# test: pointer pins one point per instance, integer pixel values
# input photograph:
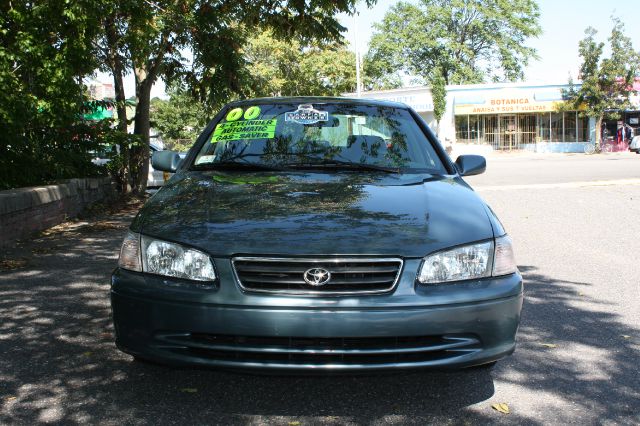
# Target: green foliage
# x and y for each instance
(178, 120)
(320, 69)
(48, 47)
(118, 146)
(45, 49)
(376, 74)
(150, 37)
(606, 82)
(439, 95)
(457, 41)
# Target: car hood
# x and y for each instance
(298, 213)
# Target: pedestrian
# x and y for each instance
(604, 133)
(620, 135)
(628, 133)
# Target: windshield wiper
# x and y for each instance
(236, 165)
(346, 165)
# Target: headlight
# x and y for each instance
(460, 263)
(164, 258)
(469, 262)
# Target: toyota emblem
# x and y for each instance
(317, 276)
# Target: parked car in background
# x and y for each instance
(317, 234)
(634, 146)
(156, 178)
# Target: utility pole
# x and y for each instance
(355, 37)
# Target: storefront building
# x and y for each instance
(501, 116)
(515, 117)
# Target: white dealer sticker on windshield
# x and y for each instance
(306, 114)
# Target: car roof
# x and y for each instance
(321, 100)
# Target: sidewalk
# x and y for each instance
(507, 155)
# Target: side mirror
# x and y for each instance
(166, 161)
(469, 165)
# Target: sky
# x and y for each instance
(563, 23)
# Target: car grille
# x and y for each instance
(321, 352)
(347, 275)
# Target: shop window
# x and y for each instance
(583, 129)
(570, 126)
(490, 129)
(543, 127)
(462, 128)
(556, 127)
(526, 129)
(474, 129)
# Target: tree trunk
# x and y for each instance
(121, 107)
(142, 126)
(125, 149)
(117, 70)
(145, 73)
(598, 135)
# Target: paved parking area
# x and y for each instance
(578, 359)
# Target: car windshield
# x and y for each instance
(320, 135)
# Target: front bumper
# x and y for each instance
(179, 323)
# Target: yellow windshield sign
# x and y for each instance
(238, 130)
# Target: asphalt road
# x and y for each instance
(577, 362)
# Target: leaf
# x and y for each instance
(10, 264)
(296, 423)
(87, 353)
(548, 345)
(10, 398)
(625, 336)
(189, 390)
(42, 250)
(501, 407)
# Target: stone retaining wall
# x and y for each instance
(26, 211)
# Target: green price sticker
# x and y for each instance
(234, 114)
(252, 112)
(238, 130)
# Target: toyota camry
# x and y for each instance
(317, 234)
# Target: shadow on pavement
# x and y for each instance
(59, 363)
(574, 354)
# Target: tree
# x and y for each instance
(153, 34)
(376, 74)
(322, 69)
(290, 68)
(179, 120)
(457, 41)
(111, 54)
(607, 83)
(45, 51)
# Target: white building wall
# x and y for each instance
(537, 96)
